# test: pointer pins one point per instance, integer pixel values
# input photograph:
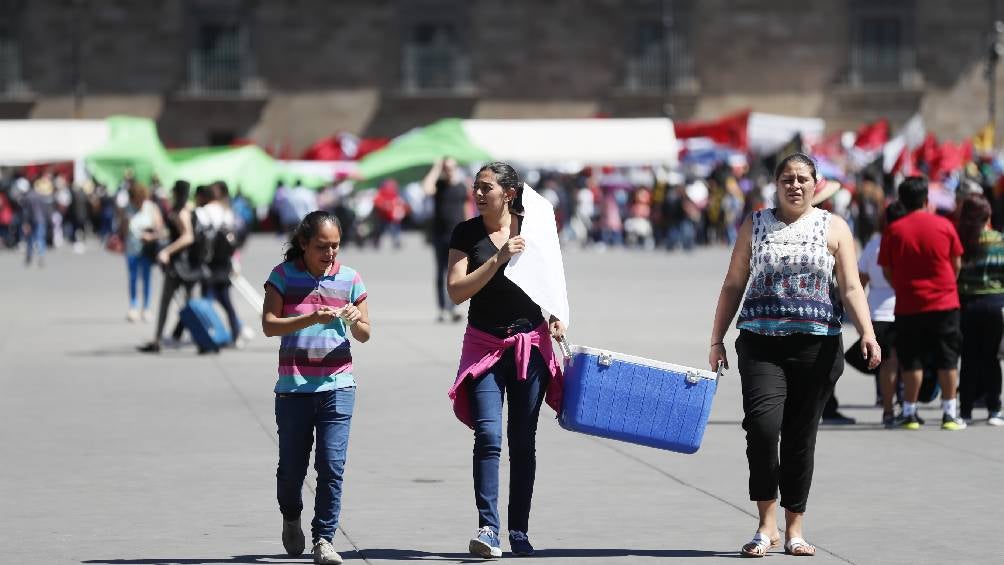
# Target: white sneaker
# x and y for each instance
(995, 419)
(325, 554)
(132, 315)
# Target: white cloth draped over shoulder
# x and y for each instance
(538, 269)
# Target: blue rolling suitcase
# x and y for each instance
(636, 400)
(207, 329)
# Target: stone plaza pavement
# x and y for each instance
(113, 457)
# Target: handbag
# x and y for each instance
(856, 359)
(1000, 346)
(114, 244)
(150, 249)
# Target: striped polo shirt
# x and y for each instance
(316, 358)
(983, 273)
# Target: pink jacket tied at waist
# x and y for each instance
(481, 350)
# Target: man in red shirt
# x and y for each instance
(920, 256)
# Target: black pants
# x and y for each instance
(441, 246)
(980, 376)
(786, 382)
(220, 292)
(172, 284)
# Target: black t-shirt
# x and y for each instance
(448, 207)
(500, 303)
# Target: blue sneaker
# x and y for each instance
(486, 544)
(519, 543)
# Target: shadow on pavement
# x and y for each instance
(823, 427)
(584, 553)
(235, 560)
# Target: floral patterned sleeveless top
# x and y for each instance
(792, 287)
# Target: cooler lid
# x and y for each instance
(614, 356)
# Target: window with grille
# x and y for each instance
(882, 50)
(658, 47)
(10, 65)
(434, 59)
(219, 62)
(648, 65)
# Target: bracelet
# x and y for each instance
(722, 343)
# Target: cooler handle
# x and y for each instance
(566, 349)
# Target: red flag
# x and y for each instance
(829, 147)
(871, 137)
(905, 163)
(730, 130)
(927, 154)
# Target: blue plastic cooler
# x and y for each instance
(636, 400)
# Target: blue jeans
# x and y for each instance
(139, 267)
(487, 393)
(36, 242)
(683, 233)
(297, 416)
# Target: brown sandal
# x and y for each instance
(759, 545)
(799, 548)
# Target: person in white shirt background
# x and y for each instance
(881, 303)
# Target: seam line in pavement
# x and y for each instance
(682, 482)
(920, 438)
(275, 441)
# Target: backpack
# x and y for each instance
(204, 236)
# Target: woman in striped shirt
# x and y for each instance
(981, 291)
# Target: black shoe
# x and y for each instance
(520, 544)
(838, 419)
(152, 347)
(911, 422)
(292, 537)
(889, 421)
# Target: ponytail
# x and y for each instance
(507, 178)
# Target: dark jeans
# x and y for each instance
(683, 233)
(980, 375)
(297, 416)
(786, 382)
(441, 247)
(487, 393)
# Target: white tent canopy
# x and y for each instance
(766, 133)
(27, 142)
(584, 141)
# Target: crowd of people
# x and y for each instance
(926, 291)
(195, 242)
(597, 208)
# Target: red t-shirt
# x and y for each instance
(919, 248)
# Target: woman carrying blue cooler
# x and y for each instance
(795, 257)
(506, 350)
(314, 303)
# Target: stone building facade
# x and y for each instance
(288, 72)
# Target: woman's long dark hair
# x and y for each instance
(973, 216)
(306, 230)
(508, 178)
